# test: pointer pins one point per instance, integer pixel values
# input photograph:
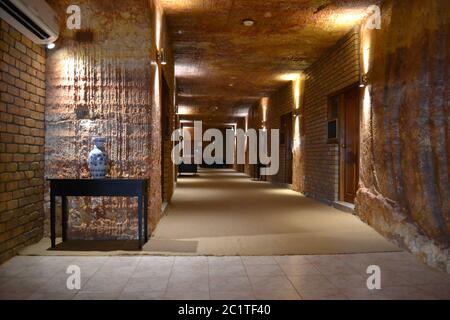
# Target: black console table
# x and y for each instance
(98, 188)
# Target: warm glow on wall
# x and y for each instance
(348, 17)
(297, 84)
(289, 76)
(187, 71)
(365, 52)
(367, 105)
(158, 23)
(296, 145)
(264, 103)
(184, 110)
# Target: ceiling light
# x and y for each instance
(51, 46)
(248, 22)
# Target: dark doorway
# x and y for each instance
(286, 148)
(165, 138)
(349, 144)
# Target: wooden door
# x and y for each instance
(286, 147)
(349, 144)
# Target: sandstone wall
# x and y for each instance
(22, 87)
(103, 80)
(404, 181)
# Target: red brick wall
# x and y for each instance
(335, 70)
(22, 86)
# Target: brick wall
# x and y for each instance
(335, 70)
(22, 86)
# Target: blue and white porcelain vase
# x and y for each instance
(98, 159)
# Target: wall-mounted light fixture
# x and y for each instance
(363, 80)
(295, 113)
(161, 56)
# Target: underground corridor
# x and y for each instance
(224, 150)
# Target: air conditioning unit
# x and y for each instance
(33, 18)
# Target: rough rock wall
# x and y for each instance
(22, 88)
(405, 143)
(101, 82)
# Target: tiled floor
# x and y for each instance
(233, 278)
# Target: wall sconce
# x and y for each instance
(161, 56)
(363, 80)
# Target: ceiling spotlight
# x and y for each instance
(51, 46)
(248, 22)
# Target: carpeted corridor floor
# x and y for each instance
(223, 212)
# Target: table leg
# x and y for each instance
(140, 221)
(64, 217)
(146, 217)
(52, 219)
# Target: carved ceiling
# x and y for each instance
(223, 67)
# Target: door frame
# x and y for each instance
(342, 138)
(340, 130)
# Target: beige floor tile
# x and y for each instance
(427, 277)
(148, 271)
(439, 291)
(146, 284)
(258, 260)
(264, 270)
(52, 296)
(15, 295)
(99, 283)
(232, 295)
(278, 295)
(229, 269)
(147, 295)
(18, 285)
(311, 282)
(58, 284)
(348, 281)
(96, 296)
(363, 294)
(268, 284)
(188, 282)
(299, 269)
(190, 262)
(219, 283)
(406, 293)
(187, 295)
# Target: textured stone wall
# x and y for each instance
(22, 87)
(335, 70)
(103, 80)
(404, 181)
